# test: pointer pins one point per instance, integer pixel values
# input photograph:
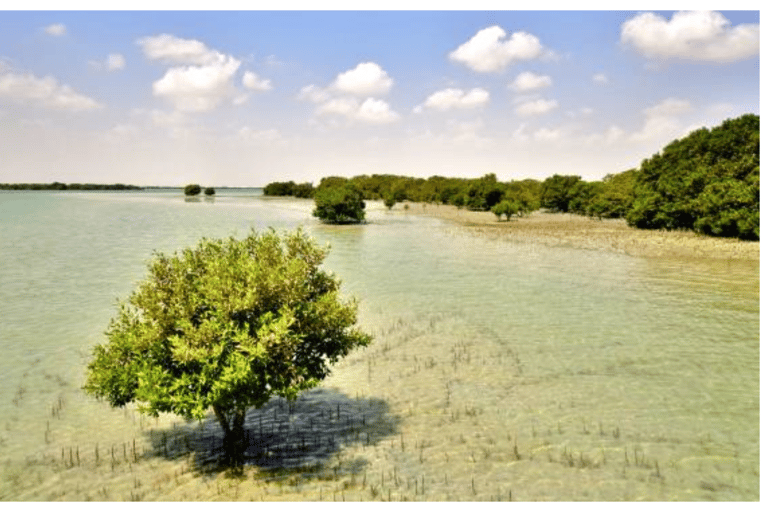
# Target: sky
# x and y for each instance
(244, 98)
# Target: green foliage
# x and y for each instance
(615, 197)
(339, 202)
(557, 192)
(209, 191)
(506, 208)
(64, 186)
(303, 190)
(582, 195)
(225, 326)
(192, 189)
(390, 201)
(708, 181)
(289, 188)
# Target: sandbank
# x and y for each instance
(563, 229)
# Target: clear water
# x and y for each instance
(500, 371)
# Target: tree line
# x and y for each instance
(67, 186)
(708, 182)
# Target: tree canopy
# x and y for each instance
(339, 202)
(708, 181)
(192, 189)
(225, 326)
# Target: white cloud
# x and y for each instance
(536, 107)
(528, 81)
(253, 82)
(662, 121)
(339, 106)
(314, 94)
(488, 51)
(56, 29)
(547, 134)
(371, 110)
(115, 62)
(376, 111)
(341, 98)
(44, 92)
(367, 79)
(691, 35)
(203, 84)
(667, 108)
(610, 136)
(198, 88)
(600, 78)
(456, 98)
(171, 49)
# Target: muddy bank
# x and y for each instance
(588, 233)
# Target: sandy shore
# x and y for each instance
(588, 233)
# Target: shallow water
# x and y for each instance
(499, 371)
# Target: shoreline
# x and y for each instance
(583, 232)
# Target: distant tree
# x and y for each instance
(279, 188)
(557, 192)
(209, 191)
(616, 197)
(582, 194)
(506, 208)
(339, 204)
(303, 190)
(224, 327)
(389, 201)
(192, 189)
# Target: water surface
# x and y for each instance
(499, 370)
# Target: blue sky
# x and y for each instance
(244, 98)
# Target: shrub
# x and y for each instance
(339, 204)
(192, 189)
(225, 326)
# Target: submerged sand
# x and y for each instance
(563, 229)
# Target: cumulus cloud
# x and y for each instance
(174, 50)
(203, 83)
(600, 78)
(528, 81)
(691, 35)
(371, 110)
(314, 94)
(662, 120)
(198, 88)
(447, 99)
(254, 83)
(376, 111)
(490, 50)
(44, 92)
(56, 29)
(536, 107)
(343, 96)
(367, 79)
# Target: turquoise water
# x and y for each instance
(500, 370)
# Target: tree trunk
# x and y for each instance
(234, 435)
